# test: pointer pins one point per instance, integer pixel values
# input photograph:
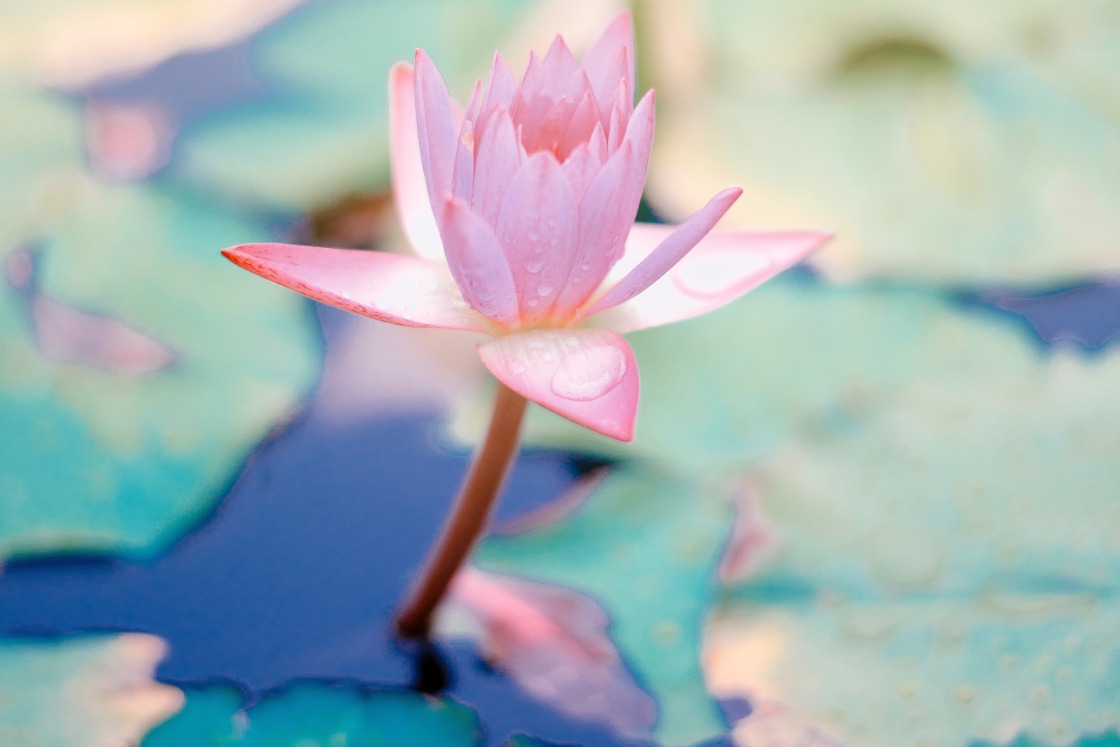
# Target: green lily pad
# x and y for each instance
(42, 154)
(645, 545)
(944, 572)
(323, 131)
(312, 715)
(722, 391)
(96, 459)
(82, 692)
(939, 143)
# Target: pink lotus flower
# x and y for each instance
(521, 211)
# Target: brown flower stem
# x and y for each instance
(468, 517)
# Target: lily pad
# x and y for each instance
(83, 691)
(722, 391)
(125, 459)
(317, 715)
(41, 159)
(322, 133)
(942, 573)
(944, 144)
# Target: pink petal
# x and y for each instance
(539, 228)
(550, 77)
(605, 216)
(545, 127)
(410, 191)
(394, 288)
(477, 263)
(611, 59)
(722, 267)
(498, 93)
(581, 168)
(437, 126)
(614, 129)
(462, 182)
(675, 246)
(499, 159)
(582, 121)
(586, 375)
(500, 85)
(639, 132)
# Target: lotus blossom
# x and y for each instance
(520, 208)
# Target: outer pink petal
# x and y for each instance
(639, 132)
(410, 191)
(675, 246)
(611, 59)
(500, 85)
(605, 216)
(539, 230)
(391, 287)
(478, 263)
(499, 159)
(437, 125)
(722, 267)
(586, 375)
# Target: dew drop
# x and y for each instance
(535, 266)
(589, 373)
(585, 266)
(533, 303)
(544, 291)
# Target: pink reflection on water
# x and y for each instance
(554, 643)
(67, 335)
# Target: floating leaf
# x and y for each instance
(722, 391)
(317, 715)
(322, 133)
(82, 692)
(959, 146)
(120, 457)
(41, 162)
(945, 571)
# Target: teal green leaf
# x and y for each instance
(82, 692)
(104, 460)
(945, 571)
(1103, 740)
(943, 144)
(722, 391)
(318, 715)
(322, 132)
(645, 545)
(41, 162)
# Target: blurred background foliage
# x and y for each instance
(875, 503)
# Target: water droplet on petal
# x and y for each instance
(535, 266)
(589, 373)
(533, 303)
(544, 291)
(585, 265)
